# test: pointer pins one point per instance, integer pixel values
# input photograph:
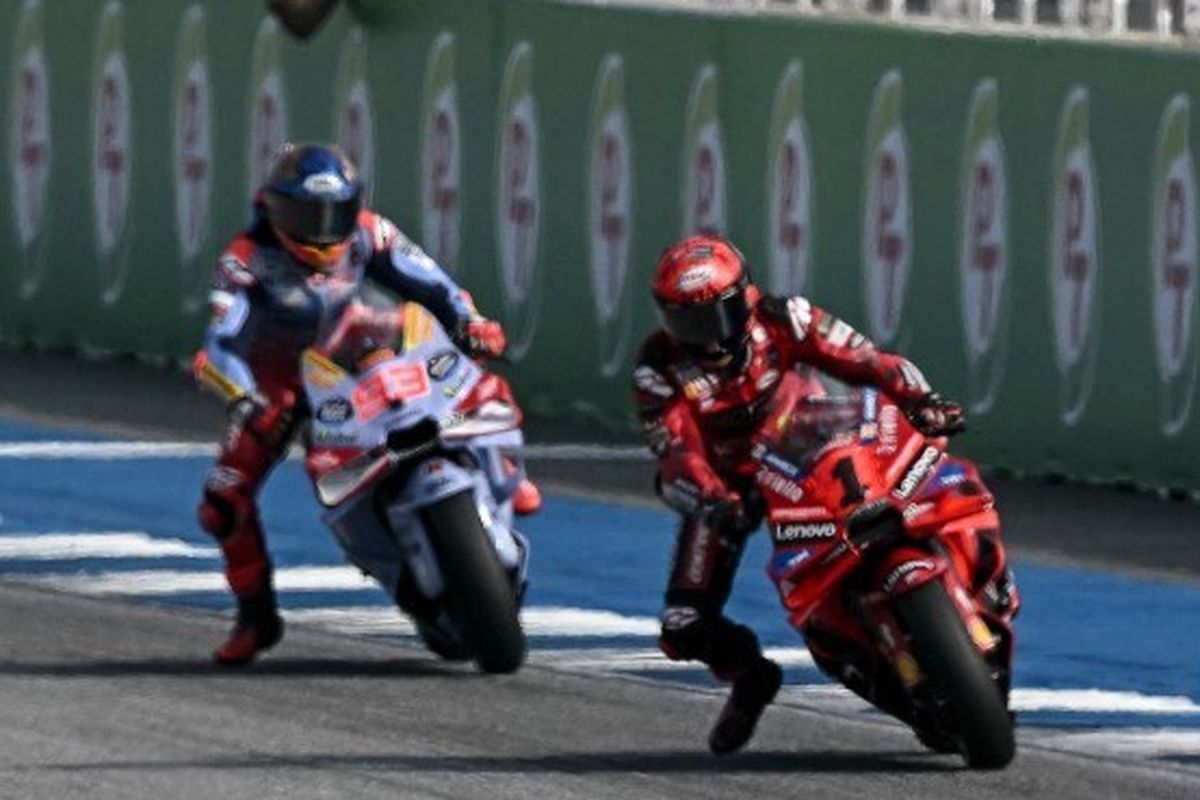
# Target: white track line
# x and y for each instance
(105, 451)
(537, 620)
(145, 583)
(1099, 701)
(102, 544)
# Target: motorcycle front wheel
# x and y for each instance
(959, 676)
(479, 593)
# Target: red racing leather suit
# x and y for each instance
(267, 308)
(698, 423)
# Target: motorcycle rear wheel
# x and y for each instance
(479, 593)
(959, 675)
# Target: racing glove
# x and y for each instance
(269, 422)
(933, 415)
(481, 337)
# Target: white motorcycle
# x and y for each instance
(414, 452)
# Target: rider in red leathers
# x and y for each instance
(279, 287)
(703, 382)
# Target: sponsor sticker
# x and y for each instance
(887, 217)
(441, 155)
(30, 153)
(704, 187)
(610, 212)
(519, 206)
(267, 113)
(907, 572)
(917, 473)
(193, 153)
(789, 187)
(797, 532)
(355, 123)
(983, 248)
(693, 279)
(788, 489)
(441, 365)
(335, 411)
(112, 149)
(1173, 264)
(1074, 257)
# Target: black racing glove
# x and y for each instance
(933, 415)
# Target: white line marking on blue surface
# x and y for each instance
(143, 583)
(102, 544)
(537, 621)
(1101, 701)
(103, 451)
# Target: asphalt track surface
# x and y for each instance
(106, 698)
(100, 699)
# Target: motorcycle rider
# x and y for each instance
(702, 384)
(279, 286)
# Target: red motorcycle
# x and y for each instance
(887, 557)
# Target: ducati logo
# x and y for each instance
(268, 114)
(887, 221)
(356, 122)
(983, 251)
(704, 191)
(441, 156)
(193, 140)
(519, 192)
(611, 207)
(1173, 263)
(789, 187)
(1074, 255)
(112, 149)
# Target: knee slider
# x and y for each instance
(685, 633)
(217, 515)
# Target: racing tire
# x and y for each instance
(479, 593)
(959, 676)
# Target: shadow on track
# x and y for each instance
(661, 762)
(271, 667)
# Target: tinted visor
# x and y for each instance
(313, 221)
(702, 324)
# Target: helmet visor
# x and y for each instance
(701, 324)
(316, 222)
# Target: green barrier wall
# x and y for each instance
(1018, 215)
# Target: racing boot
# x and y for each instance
(753, 691)
(259, 627)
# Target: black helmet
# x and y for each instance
(313, 197)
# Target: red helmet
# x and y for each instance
(700, 287)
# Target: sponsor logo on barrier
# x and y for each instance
(30, 153)
(1075, 256)
(519, 192)
(887, 218)
(441, 156)
(355, 120)
(1173, 263)
(112, 148)
(789, 187)
(983, 251)
(610, 189)
(193, 151)
(704, 189)
(268, 113)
